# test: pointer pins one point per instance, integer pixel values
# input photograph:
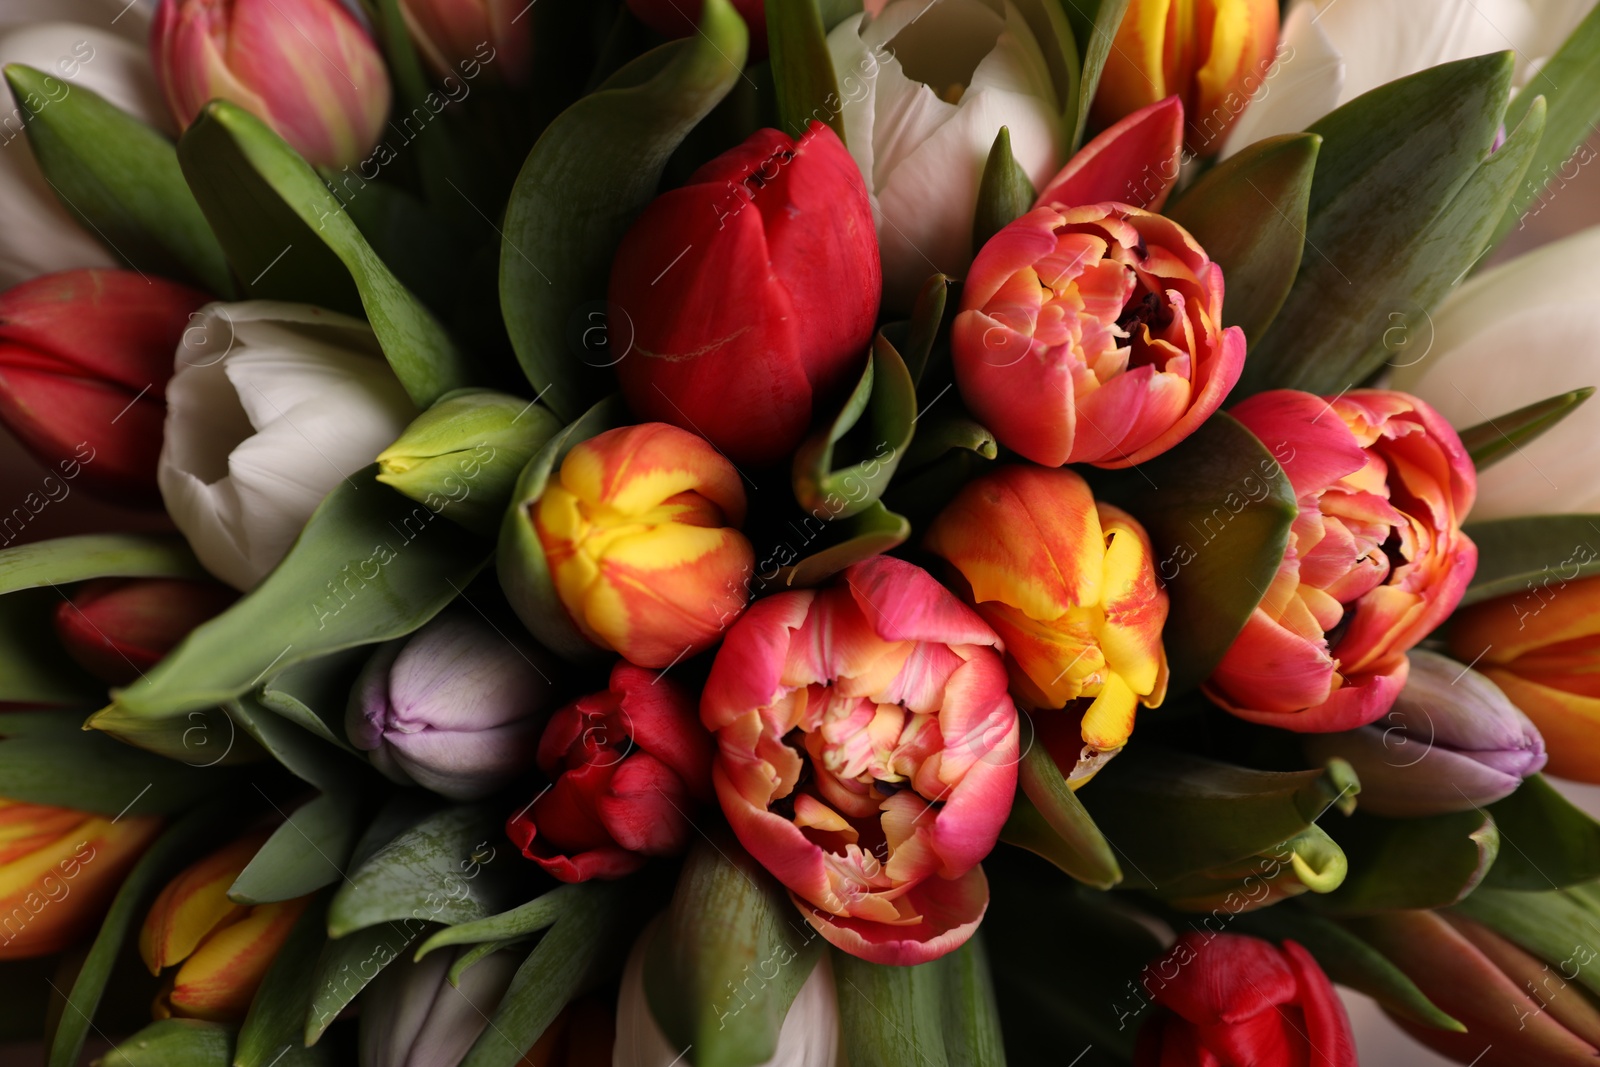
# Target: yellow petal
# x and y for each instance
(193, 904)
(219, 980)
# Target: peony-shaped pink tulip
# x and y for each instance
(1376, 558)
(867, 753)
(1093, 334)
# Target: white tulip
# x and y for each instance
(809, 1036)
(1332, 51)
(412, 1016)
(1524, 331)
(270, 407)
(925, 87)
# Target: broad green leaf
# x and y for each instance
(46, 757)
(369, 566)
(301, 752)
(867, 457)
(400, 813)
(871, 533)
(937, 1014)
(938, 436)
(1490, 442)
(174, 1043)
(1548, 843)
(122, 179)
(593, 169)
(264, 202)
(204, 738)
(1094, 25)
(592, 934)
(305, 853)
(728, 921)
(1249, 214)
(1403, 201)
(522, 920)
(1398, 864)
(1004, 195)
(275, 1026)
(348, 964)
(442, 870)
(34, 667)
(1538, 555)
(1559, 926)
(313, 694)
(802, 70)
(1218, 509)
(1049, 819)
(74, 559)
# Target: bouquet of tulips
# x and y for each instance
(816, 532)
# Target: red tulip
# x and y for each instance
(680, 18)
(84, 360)
(118, 628)
(627, 767)
(1233, 1001)
(749, 294)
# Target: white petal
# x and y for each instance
(858, 70)
(1381, 40)
(1301, 86)
(130, 21)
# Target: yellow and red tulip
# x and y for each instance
(640, 532)
(118, 628)
(1071, 590)
(221, 950)
(59, 868)
(1376, 557)
(1542, 649)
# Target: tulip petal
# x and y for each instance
(1133, 161)
(949, 909)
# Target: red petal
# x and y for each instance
(1135, 161)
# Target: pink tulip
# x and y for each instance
(1376, 559)
(867, 754)
(456, 36)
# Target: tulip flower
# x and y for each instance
(59, 869)
(867, 755)
(1235, 1001)
(640, 532)
(924, 89)
(455, 36)
(272, 406)
(781, 232)
(1463, 373)
(118, 628)
(1542, 648)
(453, 708)
(218, 950)
(1376, 558)
(307, 68)
(1093, 335)
(1071, 590)
(1212, 53)
(627, 768)
(680, 18)
(84, 361)
(412, 1017)
(1453, 742)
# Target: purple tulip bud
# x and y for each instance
(1452, 742)
(455, 708)
(413, 1017)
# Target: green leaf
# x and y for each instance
(369, 566)
(122, 179)
(591, 172)
(348, 964)
(285, 231)
(1004, 195)
(802, 69)
(589, 936)
(914, 339)
(47, 757)
(301, 752)
(1550, 842)
(305, 853)
(871, 533)
(1054, 33)
(1049, 819)
(728, 924)
(937, 1014)
(1094, 25)
(1490, 442)
(1218, 508)
(174, 1043)
(886, 395)
(1558, 926)
(275, 1026)
(1543, 551)
(1398, 864)
(313, 694)
(524, 919)
(64, 560)
(1249, 214)
(34, 667)
(1404, 197)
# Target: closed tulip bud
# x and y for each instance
(680, 18)
(1093, 335)
(1541, 647)
(458, 36)
(1212, 54)
(272, 406)
(1452, 742)
(783, 230)
(627, 768)
(59, 869)
(1071, 590)
(85, 356)
(462, 456)
(307, 68)
(1376, 558)
(217, 951)
(640, 531)
(118, 628)
(454, 708)
(412, 1016)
